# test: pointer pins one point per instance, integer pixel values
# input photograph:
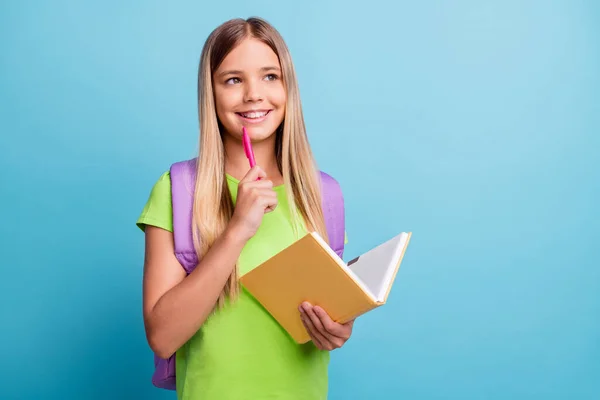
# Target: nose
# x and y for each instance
(253, 92)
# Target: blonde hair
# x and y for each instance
(213, 205)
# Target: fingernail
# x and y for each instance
(301, 309)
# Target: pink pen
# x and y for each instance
(248, 148)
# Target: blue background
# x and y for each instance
(473, 124)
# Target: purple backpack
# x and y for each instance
(182, 192)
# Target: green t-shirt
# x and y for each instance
(241, 352)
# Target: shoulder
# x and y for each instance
(162, 186)
(325, 176)
(329, 183)
(177, 181)
(164, 178)
(184, 168)
(158, 208)
(334, 210)
(333, 198)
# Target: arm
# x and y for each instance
(176, 306)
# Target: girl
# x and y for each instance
(227, 346)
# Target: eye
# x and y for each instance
(271, 77)
(232, 81)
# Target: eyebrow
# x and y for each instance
(237, 72)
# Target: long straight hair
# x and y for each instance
(213, 205)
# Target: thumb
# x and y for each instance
(254, 174)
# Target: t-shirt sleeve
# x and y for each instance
(158, 210)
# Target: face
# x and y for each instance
(249, 90)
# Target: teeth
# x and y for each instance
(254, 114)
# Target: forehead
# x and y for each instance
(250, 54)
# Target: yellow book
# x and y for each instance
(309, 270)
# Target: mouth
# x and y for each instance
(254, 115)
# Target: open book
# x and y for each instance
(309, 270)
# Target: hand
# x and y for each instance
(324, 332)
(254, 199)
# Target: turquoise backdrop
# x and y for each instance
(473, 124)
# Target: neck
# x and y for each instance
(236, 162)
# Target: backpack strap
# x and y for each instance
(334, 213)
(183, 180)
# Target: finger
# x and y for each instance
(269, 201)
(270, 208)
(253, 174)
(316, 321)
(310, 330)
(267, 193)
(262, 184)
(329, 325)
(321, 340)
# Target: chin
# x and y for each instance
(260, 133)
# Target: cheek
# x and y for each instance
(224, 101)
(279, 97)
(219, 106)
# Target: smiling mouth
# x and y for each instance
(254, 114)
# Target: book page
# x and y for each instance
(376, 267)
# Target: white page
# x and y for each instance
(343, 265)
(375, 268)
